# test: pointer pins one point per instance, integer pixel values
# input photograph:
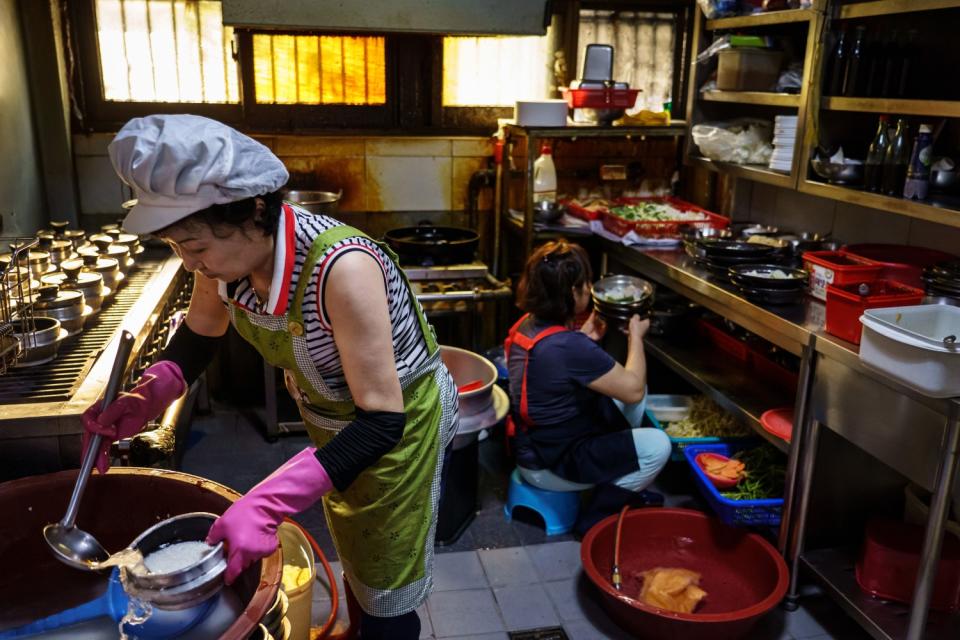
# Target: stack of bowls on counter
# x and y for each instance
(769, 284)
(64, 305)
(784, 138)
(720, 254)
(943, 283)
(103, 246)
(617, 298)
(39, 339)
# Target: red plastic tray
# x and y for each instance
(600, 98)
(669, 229)
(835, 267)
(900, 262)
(845, 305)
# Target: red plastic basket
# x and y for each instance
(845, 305)
(835, 267)
(667, 229)
(900, 262)
(600, 98)
(887, 567)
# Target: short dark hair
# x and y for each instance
(233, 216)
(551, 273)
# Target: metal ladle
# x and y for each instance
(70, 544)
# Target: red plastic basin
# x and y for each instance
(742, 573)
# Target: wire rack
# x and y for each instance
(17, 284)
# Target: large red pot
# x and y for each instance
(742, 573)
(115, 509)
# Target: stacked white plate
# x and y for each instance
(784, 138)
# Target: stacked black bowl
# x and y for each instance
(769, 284)
(943, 280)
(720, 254)
(616, 298)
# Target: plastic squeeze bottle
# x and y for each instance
(544, 177)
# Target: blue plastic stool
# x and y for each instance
(557, 508)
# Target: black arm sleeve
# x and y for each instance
(361, 443)
(191, 352)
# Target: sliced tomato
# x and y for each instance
(722, 471)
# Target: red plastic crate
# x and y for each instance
(835, 267)
(899, 262)
(668, 229)
(845, 305)
(724, 341)
(600, 98)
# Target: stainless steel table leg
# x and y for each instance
(802, 406)
(810, 436)
(933, 539)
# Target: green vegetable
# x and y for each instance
(764, 475)
(706, 419)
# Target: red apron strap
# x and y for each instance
(526, 343)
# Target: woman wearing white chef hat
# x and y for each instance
(332, 308)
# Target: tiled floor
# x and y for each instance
(498, 577)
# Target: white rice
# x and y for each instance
(176, 556)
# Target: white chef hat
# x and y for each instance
(181, 164)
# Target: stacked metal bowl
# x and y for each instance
(617, 298)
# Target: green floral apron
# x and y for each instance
(383, 525)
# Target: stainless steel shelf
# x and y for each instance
(834, 569)
(733, 388)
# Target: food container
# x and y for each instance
(316, 202)
(889, 561)
(902, 263)
(73, 277)
(669, 407)
(765, 512)
(467, 368)
(748, 69)
(836, 267)
(103, 246)
(601, 106)
(37, 261)
(541, 113)
(916, 346)
(64, 305)
(846, 303)
(701, 219)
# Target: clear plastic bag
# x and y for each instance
(741, 141)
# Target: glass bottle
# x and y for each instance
(856, 65)
(918, 171)
(873, 166)
(838, 65)
(895, 161)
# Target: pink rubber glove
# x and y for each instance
(160, 385)
(249, 526)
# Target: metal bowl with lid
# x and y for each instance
(59, 249)
(108, 268)
(37, 261)
(66, 306)
(129, 240)
(619, 297)
(184, 587)
(73, 277)
(39, 337)
(103, 245)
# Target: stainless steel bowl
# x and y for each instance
(944, 180)
(320, 202)
(39, 339)
(836, 173)
(186, 587)
(546, 211)
(621, 311)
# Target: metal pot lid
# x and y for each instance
(127, 239)
(83, 280)
(100, 264)
(104, 247)
(52, 297)
(53, 244)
